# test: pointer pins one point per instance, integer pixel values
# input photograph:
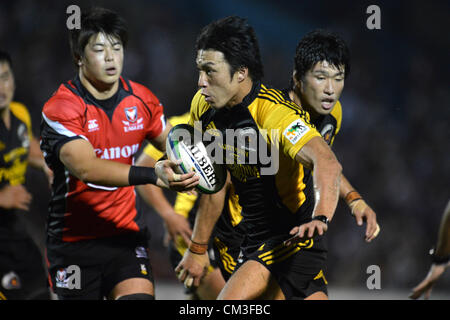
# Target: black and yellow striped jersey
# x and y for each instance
(273, 201)
(14, 146)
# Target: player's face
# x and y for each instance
(219, 88)
(103, 59)
(321, 87)
(6, 85)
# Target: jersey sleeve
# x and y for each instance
(337, 114)
(290, 129)
(62, 121)
(184, 203)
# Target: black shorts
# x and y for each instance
(90, 269)
(22, 272)
(227, 254)
(299, 269)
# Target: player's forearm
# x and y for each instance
(35, 156)
(154, 196)
(208, 213)
(327, 176)
(443, 242)
(345, 187)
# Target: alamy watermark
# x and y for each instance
(373, 282)
(242, 146)
(74, 19)
(68, 278)
(374, 20)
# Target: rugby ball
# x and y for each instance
(181, 145)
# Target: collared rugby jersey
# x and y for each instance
(77, 210)
(272, 204)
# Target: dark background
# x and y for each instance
(395, 139)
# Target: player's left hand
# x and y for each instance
(426, 285)
(306, 231)
(362, 212)
(168, 178)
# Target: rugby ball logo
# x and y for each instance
(180, 145)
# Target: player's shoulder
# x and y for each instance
(199, 105)
(64, 103)
(142, 91)
(184, 118)
(337, 111)
(273, 104)
(20, 111)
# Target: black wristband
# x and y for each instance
(141, 175)
(438, 260)
(322, 218)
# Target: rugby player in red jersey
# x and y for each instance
(91, 128)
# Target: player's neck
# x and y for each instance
(245, 89)
(298, 101)
(99, 90)
(6, 117)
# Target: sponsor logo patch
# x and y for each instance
(295, 131)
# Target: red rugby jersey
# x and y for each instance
(79, 211)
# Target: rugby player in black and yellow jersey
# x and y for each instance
(321, 65)
(278, 204)
(316, 86)
(22, 274)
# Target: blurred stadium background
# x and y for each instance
(395, 139)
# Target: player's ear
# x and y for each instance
(295, 81)
(242, 74)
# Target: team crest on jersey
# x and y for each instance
(295, 131)
(327, 133)
(131, 114)
(134, 122)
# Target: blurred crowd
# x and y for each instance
(395, 138)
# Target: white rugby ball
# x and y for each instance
(180, 145)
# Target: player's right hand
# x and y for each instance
(168, 178)
(15, 197)
(306, 231)
(192, 268)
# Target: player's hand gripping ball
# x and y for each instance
(181, 145)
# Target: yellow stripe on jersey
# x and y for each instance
(227, 260)
(283, 120)
(233, 207)
(282, 252)
(321, 275)
(337, 114)
(21, 112)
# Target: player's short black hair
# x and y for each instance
(92, 22)
(320, 45)
(236, 39)
(5, 57)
